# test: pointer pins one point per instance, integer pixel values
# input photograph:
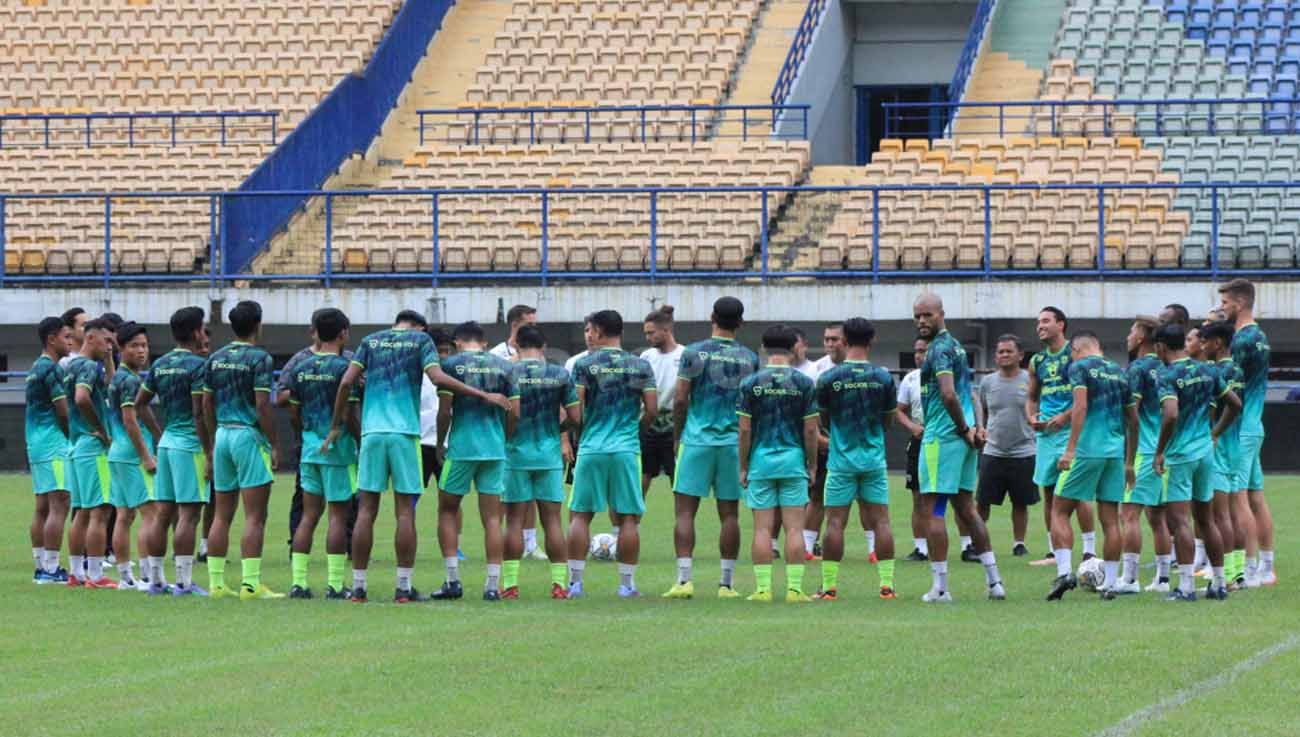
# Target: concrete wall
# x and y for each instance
(824, 83)
(908, 42)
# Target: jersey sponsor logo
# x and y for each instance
(226, 366)
(169, 371)
(304, 376)
(1106, 375)
(529, 381)
(1181, 382)
(462, 369)
(392, 343)
(850, 385)
(720, 357)
(776, 391)
(598, 370)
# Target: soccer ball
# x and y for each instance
(604, 547)
(1091, 574)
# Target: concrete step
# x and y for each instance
(1026, 29)
(770, 43)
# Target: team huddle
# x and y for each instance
(111, 438)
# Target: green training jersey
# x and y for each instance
(1228, 447)
(478, 429)
(715, 369)
(858, 398)
(313, 385)
(777, 400)
(121, 393)
(1143, 375)
(612, 383)
(1196, 386)
(174, 379)
(83, 372)
(234, 375)
(44, 387)
(1053, 373)
(1250, 351)
(945, 356)
(394, 361)
(543, 390)
(1108, 394)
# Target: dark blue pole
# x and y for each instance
(87, 131)
(108, 238)
(763, 233)
(1101, 229)
(130, 132)
(437, 256)
(744, 124)
(275, 119)
(875, 235)
(988, 233)
(223, 130)
(2, 241)
(1214, 233)
(329, 241)
(546, 237)
(421, 129)
(225, 233)
(173, 119)
(654, 236)
(212, 243)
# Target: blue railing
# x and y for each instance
(343, 124)
(472, 126)
(48, 130)
(1092, 118)
(434, 205)
(798, 50)
(971, 50)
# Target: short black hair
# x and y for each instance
(530, 337)
(1220, 330)
(1183, 316)
(127, 331)
(244, 318)
(836, 325)
(780, 338)
(608, 322)
(661, 317)
(47, 327)
(728, 313)
(69, 316)
(518, 313)
(1010, 338)
(411, 316)
(98, 323)
(1172, 336)
(186, 322)
(439, 336)
(113, 319)
(858, 331)
(1058, 313)
(329, 323)
(1085, 335)
(469, 331)
(798, 333)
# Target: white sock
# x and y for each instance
(1131, 561)
(453, 568)
(1200, 558)
(684, 570)
(1018, 543)
(965, 541)
(576, 568)
(77, 565)
(1063, 561)
(203, 546)
(1050, 546)
(627, 575)
(51, 561)
(94, 567)
(922, 545)
(358, 579)
(728, 571)
(1187, 578)
(493, 577)
(404, 578)
(776, 547)
(871, 541)
(38, 558)
(939, 574)
(1112, 574)
(809, 540)
(530, 539)
(1218, 576)
(1252, 567)
(124, 573)
(1089, 543)
(185, 570)
(156, 570)
(1266, 562)
(990, 562)
(1163, 565)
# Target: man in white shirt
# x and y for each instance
(911, 415)
(815, 513)
(75, 319)
(517, 317)
(800, 361)
(836, 350)
(664, 355)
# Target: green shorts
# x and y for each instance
(866, 487)
(948, 466)
(390, 461)
(603, 480)
(703, 467)
(1149, 489)
(1050, 449)
(91, 482)
(534, 485)
(180, 477)
(240, 459)
(1225, 473)
(485, 477)
(1092, 480)
(51, 475)
(335, 483)
(1192, 480)
(1249, 473)
(132, 485)
(772, 493)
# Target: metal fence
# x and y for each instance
(85, 130)
(970, 51)
(798, 50)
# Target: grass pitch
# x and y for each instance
(109, 663)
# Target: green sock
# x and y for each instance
(300, 561)
(336, 564)
(216, 572)
(830, 575)
(252, 568)
(509, 574)
(886, 570)
(762, 578)
(1238, 563)
(794, 577)
(559, 573)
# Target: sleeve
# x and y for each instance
(148, 384)
(127, 390)
(282, 382)
(201, 378)
(810, 402)
(1034, 360)
(355, 394)
(1078, 376)
(87, 374)
(888, 380)
(1165, 387)
(448, 367)
(362, 355)
(745, 400)
(822, 391)
(570, 391)
(941, 362)
(647, 376)
(263, 374)
(904, 391)
(509, 387)
(52, 380)
(428, 353)
(1222, 384)
(1134, 376)
(690, 366)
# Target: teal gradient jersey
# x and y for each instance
(945, 356)
(858, 399)
(394, 361)
(86, 373)
(1053, 373)
(777, 400)
(1108, 396)
(1143, 375)
(174, 379)
(715, 369)
(44, 387)
(1196, 386)
(121, 393)
(233, 377)
(478, 429)
(612, 383)
(313, 385)
(543, 390)
(1229, 445)
(1250, 351)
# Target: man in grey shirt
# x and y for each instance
(1007, 466)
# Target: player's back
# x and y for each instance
(1233, 380)
(945, 356)
(313, 384)
(478, 427)
(613, 382)
(1196, 385)
(394, 361)
(174, 379)
(543, 390)
(1143, 378)
(1251, 352)
(1052, 370)
(777, 400)
(715, 369)
(1108, 395)
(857, 397)
(89, 374)
(233, 376)
(121, 393)
(43, 387)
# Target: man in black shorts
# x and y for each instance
(430, 463)
(1007, 466)
(658, 453)
(911, 417)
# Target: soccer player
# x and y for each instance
(282, 400)
(46, 428)
(1007, 467)
(517, 317)
(392, 361)
(1216, 344)
(777, 442)
(328, 479)
(543, 393)
(799, 361)
(476, 456)
(1250, 351)
(664, 354)
(1048, 408)
(75, 319)
(245, 451)
(614, 388)
(1144, 488)
(131, 459)
(88, 376)
(857, 402)
(814, 516)
(1103, 421)
(911, 415)
(706, 426)
(1188, 391)
(949, 449)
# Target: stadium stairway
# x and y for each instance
(1015, 53)
(774, 30)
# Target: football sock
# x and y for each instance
(124, 573)
(1050, 546)
(830, 575)
(530, 539)
(38, 557)
(728, 572)
(1266, 562)
(871, 542)
(299, 562)
(509, 574)
(558, 572)
(1187, 578)
(1018, 543)
(627, 575)
(156, 571)
(1252, 567)
(965, 541)
(203, 546)
(762, 577)
(51, 561)
(77, 565)
(404, 578)
(1063, 561)
(1163, 565)
(358, 579)
(94, 567)
(1112, 574)
(216, 571)
(794, 577)
(922, 545)
(453, 568)
(776, 548)
(684, 570)
(886, 571)
(1200, 559)
(185, 570)
(1219, 577)
(939, 576)
(251, 568)
(1230, 565)
(1089, 543)
(1131, 561)
(493, 577)
(990, 562)
(335, 564)
(576, 569)
(809, 539)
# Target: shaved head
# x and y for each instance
(930, 300)
(927, 314)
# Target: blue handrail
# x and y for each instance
(798, 50)
(970, 51)
(140, 129)
(639, 123)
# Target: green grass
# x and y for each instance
(109, 663)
